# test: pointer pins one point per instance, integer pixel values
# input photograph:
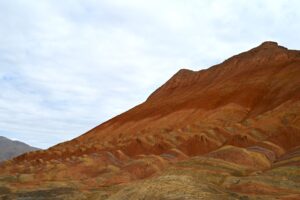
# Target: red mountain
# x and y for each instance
(235, 125)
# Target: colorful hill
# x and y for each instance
(228, 132)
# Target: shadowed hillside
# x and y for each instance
(10, 148)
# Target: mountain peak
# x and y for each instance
(269, 44)
(11, 148)
(267, 53)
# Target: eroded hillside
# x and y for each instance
(228, 132)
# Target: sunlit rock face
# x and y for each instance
(231, 131)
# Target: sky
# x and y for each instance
(67, 66)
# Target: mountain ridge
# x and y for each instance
(136, 114)
(234, 126)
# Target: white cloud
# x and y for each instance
(66, 66)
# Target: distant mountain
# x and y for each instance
(10, 148)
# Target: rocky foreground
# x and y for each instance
(229, 132)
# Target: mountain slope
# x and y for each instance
(229, 131)
(10, 148)
(251, 84)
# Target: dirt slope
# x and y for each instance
(231, 131)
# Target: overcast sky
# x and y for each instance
(67, 66)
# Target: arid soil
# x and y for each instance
(228, 132)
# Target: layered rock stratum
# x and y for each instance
(231, 131)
